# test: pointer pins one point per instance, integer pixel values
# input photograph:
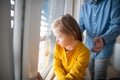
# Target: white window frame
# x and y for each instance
(31, 39)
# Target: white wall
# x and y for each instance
(6, 59)
(76, 8)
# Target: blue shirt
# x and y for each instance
(100, 19)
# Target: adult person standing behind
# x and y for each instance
(101, 20)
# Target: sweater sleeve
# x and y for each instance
(57, 66)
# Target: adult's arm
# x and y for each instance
(114, 29)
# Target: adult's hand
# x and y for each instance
(99, 44)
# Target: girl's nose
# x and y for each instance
(56, 40)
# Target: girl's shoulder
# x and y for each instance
(82, 47)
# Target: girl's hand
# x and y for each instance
(39, 77)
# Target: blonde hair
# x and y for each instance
(68, 25)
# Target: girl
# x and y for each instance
(71, 57)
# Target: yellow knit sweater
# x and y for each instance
(71, 65)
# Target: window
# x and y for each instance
(12, 2)
(44, 45)
(47, 39)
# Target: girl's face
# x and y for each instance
(62, 39)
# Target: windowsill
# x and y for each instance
(46, 71)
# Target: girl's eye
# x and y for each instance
(58, 37)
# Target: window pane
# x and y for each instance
(51, 9)
(12, 2)
(44, 45)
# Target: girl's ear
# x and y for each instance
(74, 33)
(72, 36)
